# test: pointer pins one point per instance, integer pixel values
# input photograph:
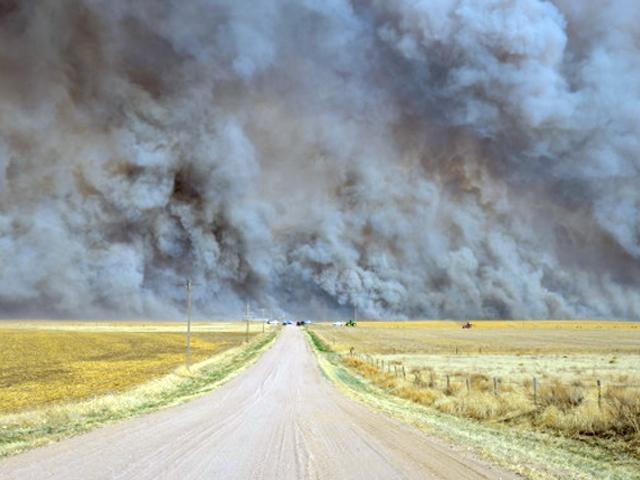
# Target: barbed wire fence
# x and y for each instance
(540, 391)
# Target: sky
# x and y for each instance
(413, 159)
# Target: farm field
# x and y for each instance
(501, 337)
(59, 379)
(45, 363)
(579, 379)
(137, 326)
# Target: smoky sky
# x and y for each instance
(415, 159)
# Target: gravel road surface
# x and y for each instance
(279, 420)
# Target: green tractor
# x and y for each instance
(352, 321)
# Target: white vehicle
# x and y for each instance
(338, 324)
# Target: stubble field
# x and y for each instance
(45, 363)
(58, 378)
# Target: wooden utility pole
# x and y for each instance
(246, 316)
(187, 359)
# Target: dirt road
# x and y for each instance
(281, 419)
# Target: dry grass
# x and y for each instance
(533, 453)
(138, 326)
(566, 359)
(46, 423)
(507, 324)
(43, 367)
(531, 337)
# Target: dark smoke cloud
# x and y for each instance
(442, 158)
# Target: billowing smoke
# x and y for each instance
(440, 158)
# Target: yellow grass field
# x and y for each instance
(488, 337)
(507, 324)
(488, 372)
(44, 363)
(138, 326)
(59, 379)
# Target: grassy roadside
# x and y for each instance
(536, 455)
(23, 431)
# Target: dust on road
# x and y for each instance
(281, 420)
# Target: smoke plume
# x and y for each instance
(441, 158)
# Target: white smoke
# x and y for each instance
(441, 158)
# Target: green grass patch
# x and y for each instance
(318, 343)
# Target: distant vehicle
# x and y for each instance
(467, 325)
(307, 322)
(273, 322)
(300, 323)
(287, 322)
(338, 324)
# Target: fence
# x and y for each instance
(448, 382)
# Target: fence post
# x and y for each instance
(468, 383)
(496, 392)
(535, 391)
(599, 384)
(448, 384)
(431, 382)
(404, 373)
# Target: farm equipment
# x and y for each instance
(467, 325)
